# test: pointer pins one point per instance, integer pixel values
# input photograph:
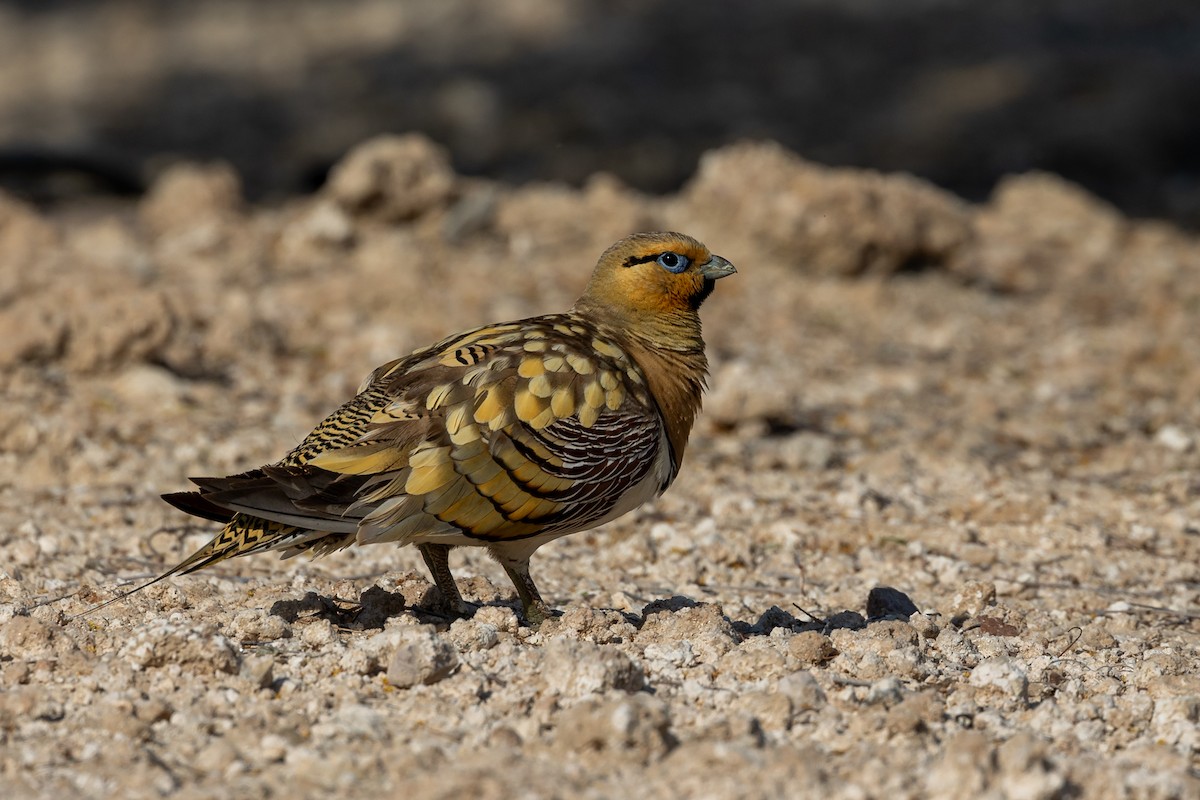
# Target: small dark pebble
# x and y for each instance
(850, 620)
(884, 602)
(996, 627)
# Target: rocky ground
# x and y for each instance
(992, 409)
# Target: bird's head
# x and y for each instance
(653, 275)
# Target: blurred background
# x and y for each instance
(96, 97)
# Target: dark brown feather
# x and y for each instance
(195, 504)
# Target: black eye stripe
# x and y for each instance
(633, 260)
(646, 259)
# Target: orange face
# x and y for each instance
(656, 274)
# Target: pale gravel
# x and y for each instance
(994, 410)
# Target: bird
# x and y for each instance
(506, 436)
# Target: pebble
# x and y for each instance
(1004, 674)
(888, 691)
(884, 602)
(579, 621)
(773, 711)
(169, 642)
(575, 668)
(502, 618)
(259, 670)
(351, 721)
(215, 757)
(703, 625)
(273, 747)
(319, 633)
(635, 728)
(811, 648)
(962, 770)
(750, 663)
(678, 654)
(26, 637)
(472, 635)
(420, 657)
(1173, 438)
(972, 598)
(258, 625)
(925, 627)
(1026, 770)
(803, 690)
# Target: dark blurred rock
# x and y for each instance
(884, 602)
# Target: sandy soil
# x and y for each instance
(993, 409)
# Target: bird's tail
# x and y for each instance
(242, 535)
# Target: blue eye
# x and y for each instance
(673, 262)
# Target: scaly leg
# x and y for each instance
(536, 610)
(437, 558)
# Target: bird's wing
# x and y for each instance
(505, 432)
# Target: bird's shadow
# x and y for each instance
(375, 606)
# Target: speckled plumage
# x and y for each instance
(505, 436)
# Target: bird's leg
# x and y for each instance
(535, 608)
(437, 558)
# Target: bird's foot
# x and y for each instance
(449, 610)
(537, 613)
